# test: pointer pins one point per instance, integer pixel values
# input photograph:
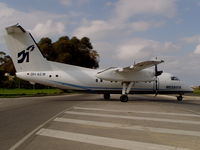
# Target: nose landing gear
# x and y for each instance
(180, 98)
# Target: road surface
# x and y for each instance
(84, 121)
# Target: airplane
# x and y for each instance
(30, 65)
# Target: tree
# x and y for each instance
(46, 48)
(6, 64)
(70, 51)
(2, 55)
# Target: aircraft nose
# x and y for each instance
(191, 89)
(188, 89)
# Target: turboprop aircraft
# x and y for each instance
(135, 79)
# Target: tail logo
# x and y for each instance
(24, 55)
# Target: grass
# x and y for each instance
(197, 91)
(28, 92)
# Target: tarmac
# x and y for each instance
(84, 122)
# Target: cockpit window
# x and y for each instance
(174, 78)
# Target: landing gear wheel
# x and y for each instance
(124, 98)
(180, 98)
(106, 96)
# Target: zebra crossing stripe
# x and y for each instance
(104, 141)
(142, 112)
(129, 127)
(134, 117)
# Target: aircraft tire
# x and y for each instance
(180, 98)
(106, 96)
(124, 98)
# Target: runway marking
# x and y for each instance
(133, 118)
(15, 146)
(130, 127)
(142, 112)
(104, 141)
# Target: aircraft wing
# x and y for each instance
(139, 66)
(131, 73)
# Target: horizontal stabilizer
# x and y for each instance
(15, 29)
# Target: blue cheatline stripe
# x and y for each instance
(93, 88)
(85, 87)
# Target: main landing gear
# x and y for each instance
(124, 98)
(106, 96)
(126, 87)
(180, 98)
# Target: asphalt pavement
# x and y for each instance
(86, 121)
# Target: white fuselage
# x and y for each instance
(83, 79)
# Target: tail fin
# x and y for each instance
(24, 51)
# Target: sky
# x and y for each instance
(121, 31)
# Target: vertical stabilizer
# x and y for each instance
(24, 51)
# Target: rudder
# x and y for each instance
(24, 51)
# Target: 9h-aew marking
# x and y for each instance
(24, 55)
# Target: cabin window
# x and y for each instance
(101, 80)
(96, 80)
(174, 78)
(50, 76)
(27, 73)
(56, 75)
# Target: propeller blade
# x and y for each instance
(157, 73)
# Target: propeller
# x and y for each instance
(157, 73)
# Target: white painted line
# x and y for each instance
(130, 127)
(134, 118)
(142, 112)
(35, 130)
(104, 141)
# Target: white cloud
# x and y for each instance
(144, 25)
(198, 3)
(70, 2)
(192, 39)
(144, 49)
(101, 29)
(185, 67)
(66, 2)
(49, 28)
(197, 50)
(126, 9)
(109, 4)
(120, 23)
(41, 23)
(195, 39)
(5, 11)
(96, 27)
